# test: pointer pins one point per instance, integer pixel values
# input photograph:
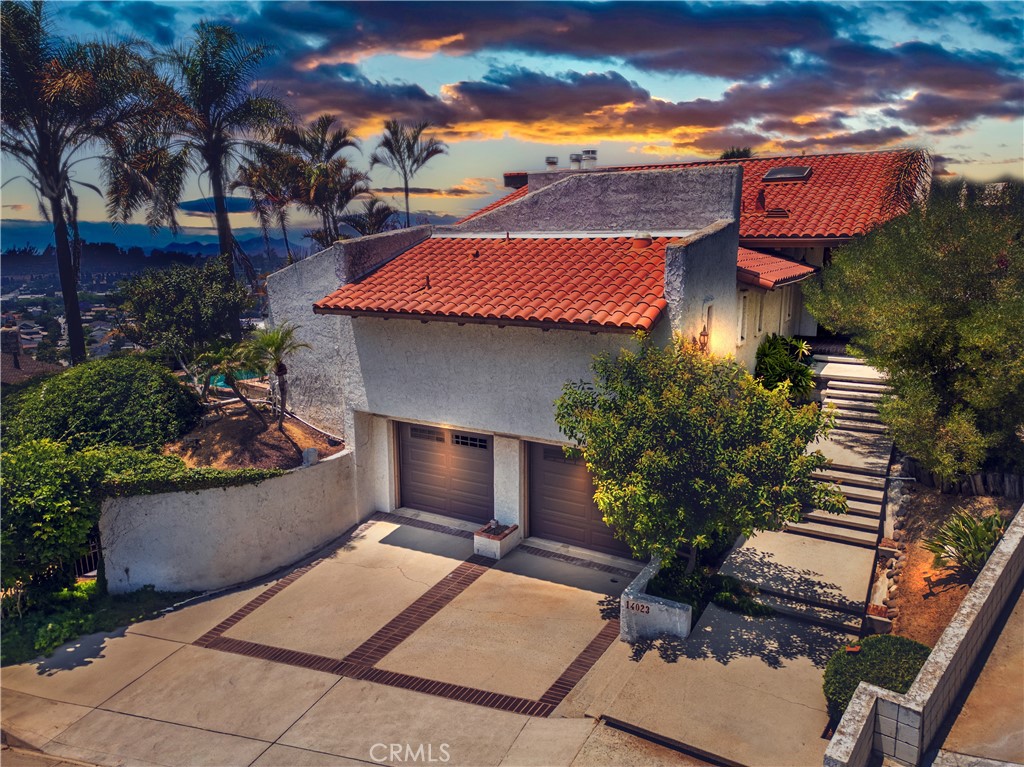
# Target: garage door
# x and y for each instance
(447, 472)
(562, 504)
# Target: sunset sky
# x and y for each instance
(509, 83)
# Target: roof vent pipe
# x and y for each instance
(551, 162)
(575, 161)
(589, 159)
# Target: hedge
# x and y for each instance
(888, 661)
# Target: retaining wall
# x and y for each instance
(209, 539)
(903, 727)
(643, 616)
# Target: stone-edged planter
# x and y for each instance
(496, 545)
(642, 616)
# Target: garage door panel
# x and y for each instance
(446, 472)
(562, 504)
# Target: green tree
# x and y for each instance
(405, 150)
(685, 449)
(47, 494)
(272, 181)
(326, 183)
(61, 98)
(227, 361)
(268, 349)
(181, 310)
(935, 299)
(374, 218)
(218, 114)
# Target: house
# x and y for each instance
(438, 352)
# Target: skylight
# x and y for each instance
(788, 173)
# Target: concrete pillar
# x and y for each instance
(509, 481)
(383, 468)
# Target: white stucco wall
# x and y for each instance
(198, 541)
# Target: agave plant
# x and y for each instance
(778, 360)
(965, 542)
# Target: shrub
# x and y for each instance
(965, 541)
(137, 472)
(48, 495)
(125, 401)
(778, 360)
(888, 661)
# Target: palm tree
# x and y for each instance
(909, 179)
(327, 184)
(268, 349)
(219, 116)
(227, 361)
(272, 181)
(60, 98)
(737, 153)
(374, 218)
(405, 150)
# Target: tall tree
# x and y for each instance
(935, 299)
(221, 113)
(60, 98)
(326, 182)
(685, 448)
(272, 181)
(405, 150)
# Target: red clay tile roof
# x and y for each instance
(583, 282)
(497, 204)
(767, 271)
(841, 199)
(28, 368)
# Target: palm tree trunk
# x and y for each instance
(225, 239)
(282, 396)
(287, 245)
(405, 180)
(68, 282)
(233, 385)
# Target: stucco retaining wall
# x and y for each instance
(642, 616)
(903, 727)
(198, 541)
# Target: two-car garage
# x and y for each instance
(451, 472)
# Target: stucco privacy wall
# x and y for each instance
(198, 541)
(903, 727)
(655, 200)
(315, 389)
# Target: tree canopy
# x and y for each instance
(935, 299)
(685, 448)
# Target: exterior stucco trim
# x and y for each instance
(461, 320)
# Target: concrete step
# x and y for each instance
(869, 494)
(870, 397)
(845, 359)
(863, 508)
(816, 614)
(852, 521)
(849, 478)
(847, 424)
(842, 403)
(870, 387)
(832, 533)
(866, 416)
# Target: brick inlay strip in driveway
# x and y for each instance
(401, 627)
(583, 663)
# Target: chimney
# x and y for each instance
(642, 240)
(589, 159)
(551, 162)
(575, 161)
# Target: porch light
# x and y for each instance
(702, 342)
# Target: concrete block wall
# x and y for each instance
(211, 539)
(904, 726)
(642, 616)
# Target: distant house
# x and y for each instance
(438, 353)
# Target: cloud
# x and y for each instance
(16, 206)
(872, 137)
(154, 21)
(204, 205)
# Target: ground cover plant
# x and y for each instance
(888, 661)
(781, 359)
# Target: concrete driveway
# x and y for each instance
(396, 647)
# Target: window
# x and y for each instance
(787, 173)
(465, 440)
(558, 454)
(742, 331)
(420, 432)
(760, 313)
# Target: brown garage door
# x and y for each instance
(562, 504)
(448, 472)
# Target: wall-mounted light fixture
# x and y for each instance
(703, 340)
